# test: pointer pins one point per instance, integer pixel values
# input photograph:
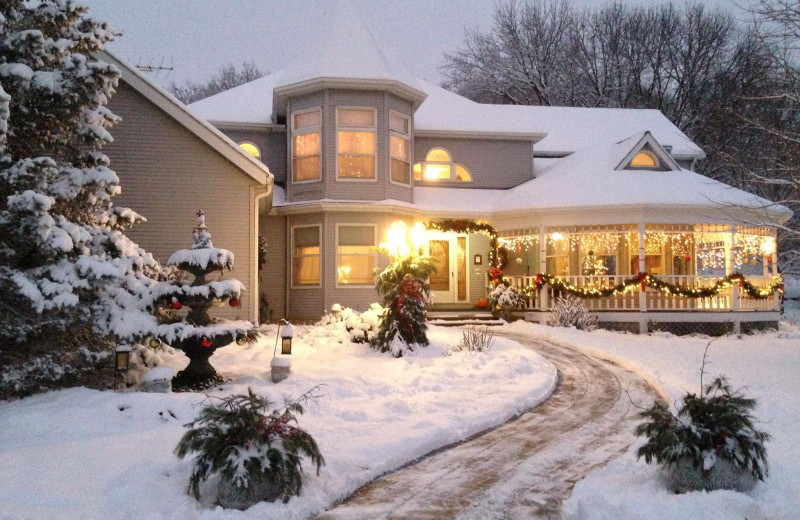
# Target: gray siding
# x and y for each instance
(271, 142)
(492, 163)
(272, 278)
(478, 245)
(167, 173)
(306, 303)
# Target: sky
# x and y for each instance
(197, 37)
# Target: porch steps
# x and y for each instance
(460, 318)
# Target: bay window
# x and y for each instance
(355, 128)
(306, 256)
(306, 146)
(400, 146)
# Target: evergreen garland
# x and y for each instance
(466, 227)
(405, 288)
(646, 280)
(244, 442)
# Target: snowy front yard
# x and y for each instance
(766, 366)
(102, 455)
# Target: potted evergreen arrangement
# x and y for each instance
(255, 449)
(709, 444)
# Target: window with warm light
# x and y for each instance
(439, 166)
(355, 254)
(306, 164)
(355, 128)
(557, 259)
(644, 160)
(399, 143)
(306, 256)
(250, 148)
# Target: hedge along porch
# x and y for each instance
(649, 273)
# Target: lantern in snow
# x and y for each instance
(122, 358)
(336, 310)
(286, 339)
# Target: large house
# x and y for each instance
(322, 157)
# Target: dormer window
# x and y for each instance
(250, 148)
(307, 127)
(644, 160)
(355, 128)
(439, 165)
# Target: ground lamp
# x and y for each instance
(281, 366)
(122, 359)
(286, 339)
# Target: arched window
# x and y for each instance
(644, 160)
(250, 148)
(439, 165)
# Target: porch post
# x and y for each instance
(642, 294)
(729, 252)
(543, 294)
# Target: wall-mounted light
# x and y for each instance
(478, 260)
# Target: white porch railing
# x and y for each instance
(731, 299)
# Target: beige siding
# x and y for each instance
(492, 163)
(167, 173)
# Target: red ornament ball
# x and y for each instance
(206, 342)
(233, 302)
(176, 304)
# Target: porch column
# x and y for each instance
(730, 249)
(543, 294)
(642, 294)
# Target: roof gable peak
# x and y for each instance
(646, 145)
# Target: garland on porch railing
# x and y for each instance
(645, 280)
(468, 226)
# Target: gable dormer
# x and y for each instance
(647, 154)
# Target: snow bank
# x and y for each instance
(765, 365)
(86, 454)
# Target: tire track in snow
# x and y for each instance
(522, 469)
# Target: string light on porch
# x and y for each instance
(520, 243)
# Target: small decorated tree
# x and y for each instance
(406, 291)
(199, 335)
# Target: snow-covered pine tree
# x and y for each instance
(198, 335)
(406, 290)
(64, 261)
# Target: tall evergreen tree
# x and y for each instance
(64, 260)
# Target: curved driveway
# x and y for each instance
(526, 467)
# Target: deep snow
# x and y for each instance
(85, 454)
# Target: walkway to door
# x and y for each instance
(526, 467)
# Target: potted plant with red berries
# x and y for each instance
(254, 448)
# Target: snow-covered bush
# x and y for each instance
(143, 358)
(505, 298)
(351, 326)
(254, 448)
(570, 311)
(707, 429)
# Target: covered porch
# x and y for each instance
(638, 276)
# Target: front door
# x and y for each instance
(449, 255)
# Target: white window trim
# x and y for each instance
(296, 132)
(407, 137)
(373, 129)
(293, 256)
(254, 145)
(336, 253)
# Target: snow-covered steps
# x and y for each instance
(461, 318)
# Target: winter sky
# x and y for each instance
(197, 37)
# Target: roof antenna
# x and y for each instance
(150, 67)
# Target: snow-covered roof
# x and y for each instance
(586, 180)
(343, 46)
(567, 129)
(250, 103)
